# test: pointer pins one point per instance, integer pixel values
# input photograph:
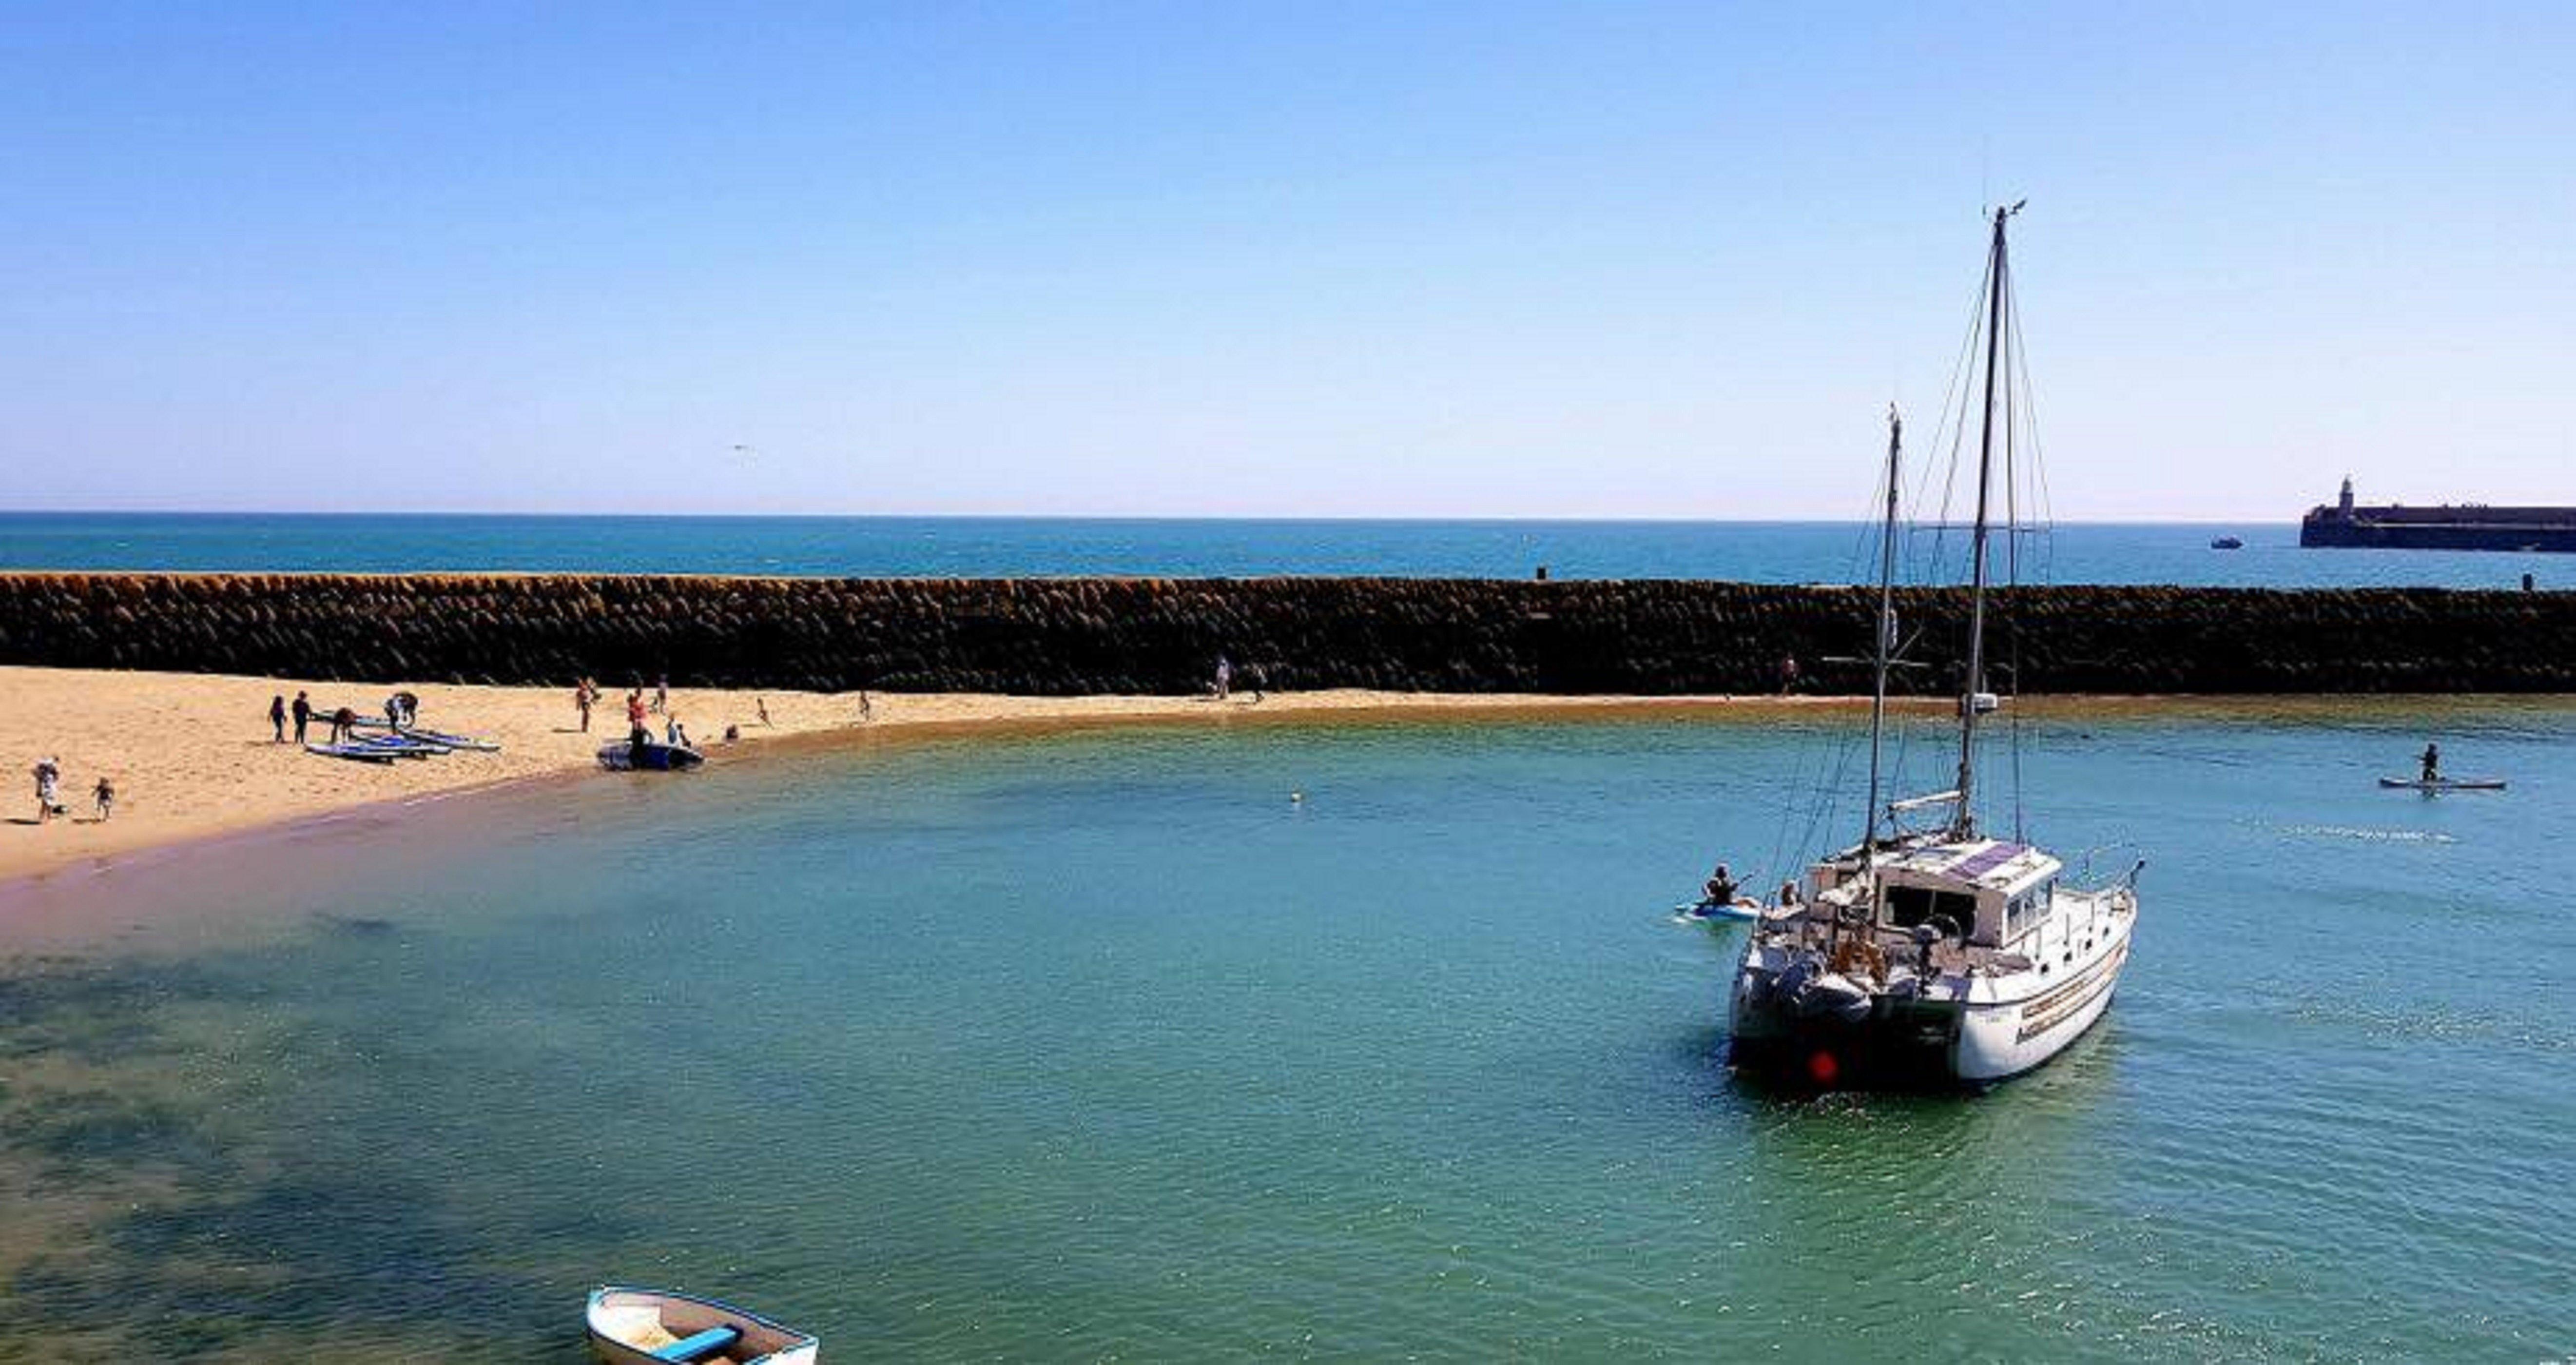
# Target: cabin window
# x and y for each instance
(1908, 906)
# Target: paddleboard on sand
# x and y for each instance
(2446, 784)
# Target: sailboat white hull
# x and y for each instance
(1971, 1029)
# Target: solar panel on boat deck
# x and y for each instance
(1987, 860)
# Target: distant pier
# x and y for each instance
(2467, 526)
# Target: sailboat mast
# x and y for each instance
(1966, 824)
(1886, 638)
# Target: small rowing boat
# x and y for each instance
(645, 1326)
(1735, 911)
(651, 756)
(2445, 784)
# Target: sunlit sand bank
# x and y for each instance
(192, 755)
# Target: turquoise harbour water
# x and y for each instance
(1092, 1045)
(977, 547)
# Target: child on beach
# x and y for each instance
(49, 777)
(105, 795)
(277, 716)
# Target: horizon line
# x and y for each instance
(1249, 518)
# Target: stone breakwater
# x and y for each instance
(1055, 637)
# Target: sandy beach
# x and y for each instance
(192, 755)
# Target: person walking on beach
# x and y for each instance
(1224, 677)
(105, 795)
(277, 716)
(581, 697)
(303, 716)
(2432, 763)
(49, 779)
(762, 703)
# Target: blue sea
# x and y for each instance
(978, 547)
(1093, 1045)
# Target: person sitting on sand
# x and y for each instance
(732, 733)
(1721, 887)
(277, 716)
(675, 734)
(2432, 763)
(105, 795)
(49, 778)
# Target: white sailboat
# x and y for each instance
(1935, 956)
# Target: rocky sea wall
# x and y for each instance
(1059, 636)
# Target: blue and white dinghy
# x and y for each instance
(645, 1326)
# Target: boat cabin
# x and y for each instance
(1995, 892)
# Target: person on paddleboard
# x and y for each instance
(1721, 887)
(2432, 763)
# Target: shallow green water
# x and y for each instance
(1094, 1046)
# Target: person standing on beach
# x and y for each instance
(662, 695)
(581, 702)
(49, 777)
(1788, 674)
(303, 716)
(342, 722)
(277, 716)
(762, 704)
(105, 795)
(1224, 676)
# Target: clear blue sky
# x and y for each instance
(1299, 259)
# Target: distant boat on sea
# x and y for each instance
(2227, 543)
(1942, 955)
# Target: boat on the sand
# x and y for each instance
(357, 753)
(2445, 784)
(646, 1326)
(436, 738)
(650, 756)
